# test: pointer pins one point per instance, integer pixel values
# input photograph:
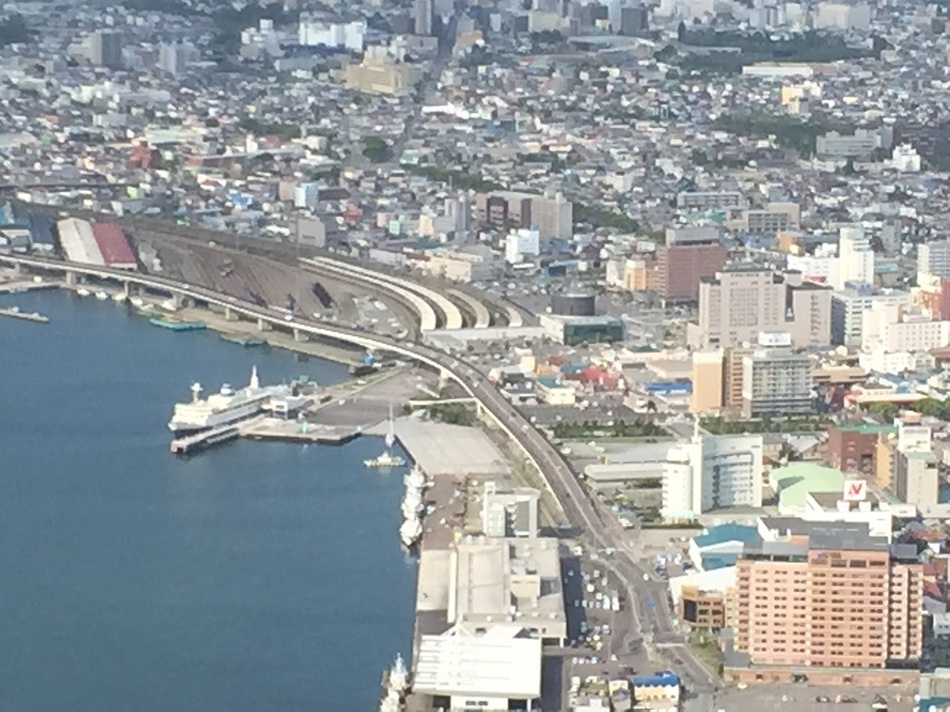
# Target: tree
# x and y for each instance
(376, 149)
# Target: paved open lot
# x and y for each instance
(450, 449)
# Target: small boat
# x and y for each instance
(410, 531)
(119, 297)
(101, 296)
(137, 302)
(415, 479)
(385, 461)
(245, 341)
(178, 325)
(83, 292)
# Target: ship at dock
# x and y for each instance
(387, 459)
(176, 325)
(412, 507)
(395, 687)
(229, 406)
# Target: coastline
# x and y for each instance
(263, 503)
(220, 325)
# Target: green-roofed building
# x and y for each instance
(795, 480)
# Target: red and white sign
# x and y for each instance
(855, 490)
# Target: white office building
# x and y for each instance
(894, 328)
(306, 195)
(712, 472)
(343, 35)
(847, 312)
(856, 257)
(518, 243)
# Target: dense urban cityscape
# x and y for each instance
(654, 295)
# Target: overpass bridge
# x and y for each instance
(427, 316)
(452, 316)
(482, 317)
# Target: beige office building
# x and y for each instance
(916, 479)
(740, 302)
(838, 599)
(732, 377)
(707, 382)
(382, 75)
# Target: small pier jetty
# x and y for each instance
(300, 432)
(265, 428)
(15, 313)
(204, 439)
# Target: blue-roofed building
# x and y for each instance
(664, 685)
(42, 232)
(711, 562)
(720, 544)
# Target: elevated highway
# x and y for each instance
(482, 317)
(452, 316)
(600, 534)
(427, 316)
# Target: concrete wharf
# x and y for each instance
(264, 427)
(15, 313)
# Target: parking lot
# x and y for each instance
(820, 698)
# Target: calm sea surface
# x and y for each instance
(257, 576)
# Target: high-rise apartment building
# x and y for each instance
(836, 598)
(915, 474)
(423, 16)
(551, 215)
(740, 302)
(933, 258)
(855, 256)
(732, 376)
(105, 48)
(687, 256)
(848, 308)
(707, 378)
(776, 381)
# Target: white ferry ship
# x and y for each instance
(224, 407)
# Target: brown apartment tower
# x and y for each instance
(835, 597)
(688, 255)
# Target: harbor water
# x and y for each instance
(256, 576)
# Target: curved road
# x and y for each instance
(600, 534)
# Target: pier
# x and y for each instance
(15, 313)
(265, 427)
(299, 432)
(204, 439)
